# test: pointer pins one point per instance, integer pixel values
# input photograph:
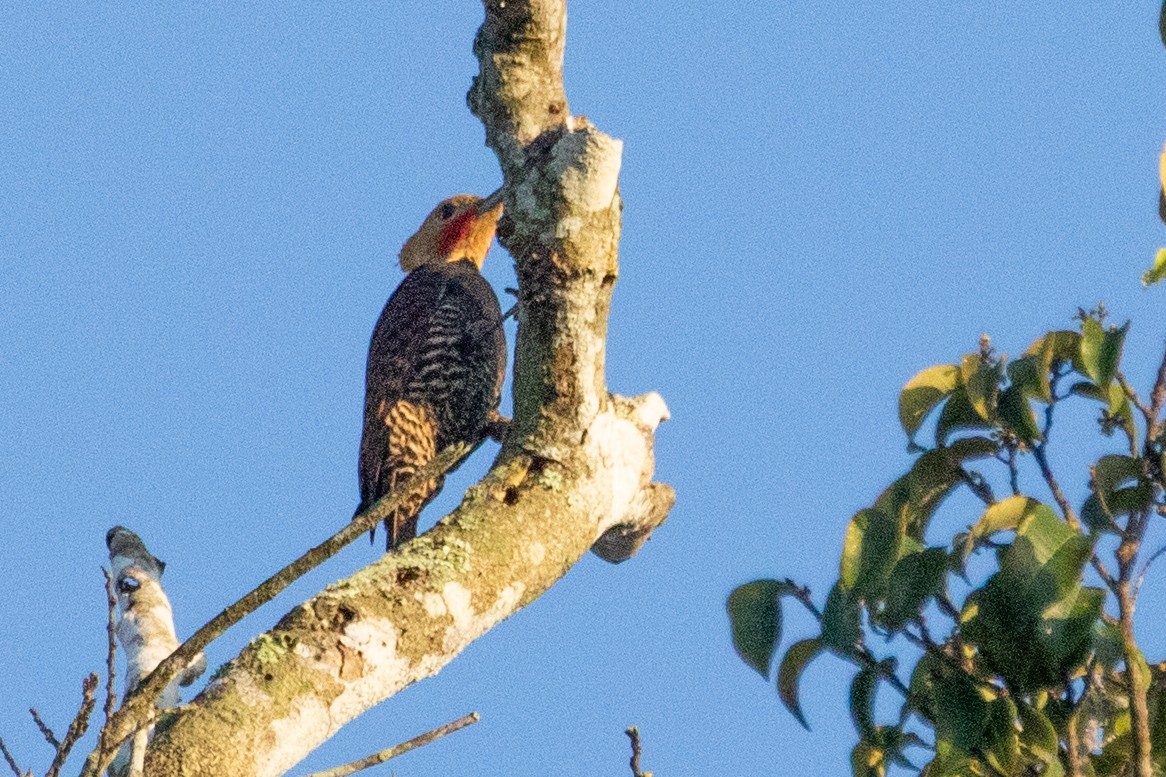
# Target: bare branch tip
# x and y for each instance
(11, 761)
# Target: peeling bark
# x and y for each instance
(574, 472)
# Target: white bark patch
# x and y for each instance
(467, 623)
(306, 713)
(376, 641)
(650, 410)
(619, 440)
(433, 603)
(535, 553)
(458, 603)
(586, 163)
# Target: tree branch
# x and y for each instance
(392, 752)
(45, 731)
(576, 463)
(78, 727)
(1157, 401)
(11, 761)
(634, 735)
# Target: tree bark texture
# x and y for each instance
(574, 471)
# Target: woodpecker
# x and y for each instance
(437, 357)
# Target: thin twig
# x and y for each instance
(45, 731)
(1046, 471)
(1038, 451)
(1104, 573)
(1146, 568)
(948, 607)
(634, 735)
(1157, 400)
(111, 655)
(11, 761)
(978, 486)
(137, 706)
(396, 750)
(1013, 471)
(79, 725)
(1135, 400)
(802, 594)
(1055, 487)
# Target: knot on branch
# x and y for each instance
(621, 441)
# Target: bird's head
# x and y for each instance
(461, 227)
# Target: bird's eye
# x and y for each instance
(446, 211)
(127, 585)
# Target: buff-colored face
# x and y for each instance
(455, 229)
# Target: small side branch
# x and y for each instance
(392, 752)
(1157, 400)
(634, 735)
(79, 725)
(11, 761)
(45, 731)
(1055, 487)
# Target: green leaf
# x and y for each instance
(869, 553)
(1115, 757)
(1001, 742)
(1162, 35)
(915, 579)
(1111, 472)
(961, 714)
(1061, 345)
(894, 498)
(1101, 350)
(958, 414)
(1031, 376)
(1037, 733)
(1067, 632)
(913, 498)
(930, 480)
(921, 696)
(967, 448)
(1095, 517)
(1017, 415)
(1108, 644)
(1005, 515)
(1092, 336)
(799, 655)
(862, 692)
(981, 382)
(755, 616)
(841, 627)
(1156, 273)
(923, 392)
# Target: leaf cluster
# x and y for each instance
(1021, 670)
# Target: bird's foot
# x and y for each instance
(496, 426)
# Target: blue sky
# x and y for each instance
(200, 209)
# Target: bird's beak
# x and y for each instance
(492, 201)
